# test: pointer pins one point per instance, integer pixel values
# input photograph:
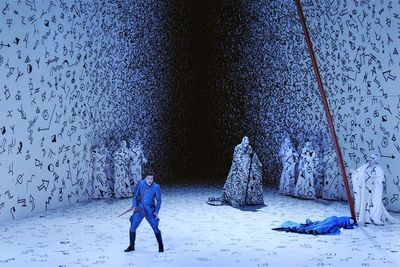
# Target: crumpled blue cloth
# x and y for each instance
(330, 225)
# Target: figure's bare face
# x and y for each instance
(245, 142)
(149, 179)
(372, 159)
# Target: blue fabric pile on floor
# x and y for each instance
(330, 225)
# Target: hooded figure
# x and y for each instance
(288, 157)
(243, 185)
(110, 150)
(305, 181)
(136, 161)
(100, 186)
(368, 181)
(122, 187)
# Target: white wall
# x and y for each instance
(356, 46)
(62, 67)
(357, 49)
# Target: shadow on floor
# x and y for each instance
(252, 208)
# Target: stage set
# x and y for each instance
(199, 133)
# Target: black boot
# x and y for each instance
(132, 237)
(160, 243)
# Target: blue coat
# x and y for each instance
(147, 198)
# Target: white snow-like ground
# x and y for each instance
(195, 234)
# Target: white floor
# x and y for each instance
(195, 234)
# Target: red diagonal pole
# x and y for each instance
(326, 108)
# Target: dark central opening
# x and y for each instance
(207, 108)
(201, 111)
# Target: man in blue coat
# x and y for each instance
(146, 203)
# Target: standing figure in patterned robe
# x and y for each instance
(136, 160)
(112, 147)
(122, 187)
(318, 164)
(288, 157)
(100, 186)
(243, 185)
(332, 176)
(333, 184)
(368, 182)
(305, 180)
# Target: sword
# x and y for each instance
(126, 212)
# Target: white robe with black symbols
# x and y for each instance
(368, 184)
(110, 150)
(122, 186)
(100, 186)
(305, 180)
(135, 165)
(288, 177)
(332, 178)
(243, 185)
